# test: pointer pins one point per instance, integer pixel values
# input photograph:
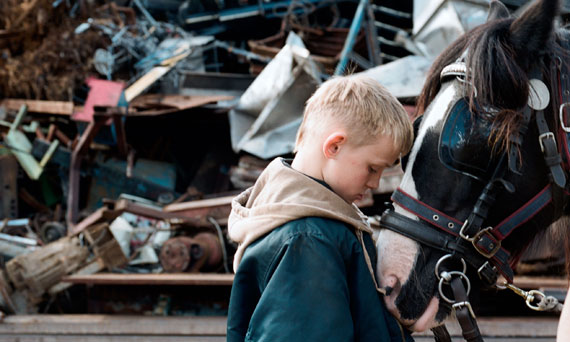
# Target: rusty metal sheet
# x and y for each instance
(218, 208)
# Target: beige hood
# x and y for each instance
(280, 195)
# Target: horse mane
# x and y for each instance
(491, 63)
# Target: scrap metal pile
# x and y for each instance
(128, 126)
(41, 57)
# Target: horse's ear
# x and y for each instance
(497, 10)
(532, 30)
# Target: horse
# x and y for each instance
(488, 170)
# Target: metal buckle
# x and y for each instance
(466, 237)
(460, 305)
(494, 249)
(542, 137)
(561, 114)
(487, 273)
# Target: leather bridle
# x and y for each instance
(470, 240)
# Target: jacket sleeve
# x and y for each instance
(306, 296)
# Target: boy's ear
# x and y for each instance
(333, 144)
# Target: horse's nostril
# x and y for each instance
(390, 283)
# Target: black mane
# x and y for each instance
(498, 73)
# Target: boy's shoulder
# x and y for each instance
(308, 232)
(316, 226)
(312, 227)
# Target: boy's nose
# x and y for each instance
(374, 182)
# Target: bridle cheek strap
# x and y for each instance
(464, 313)
(487, 242)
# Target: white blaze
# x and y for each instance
(433, 116)
(396, 253)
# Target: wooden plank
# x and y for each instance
(218, 208)
(212, 279)
(89, 269)
(113, 338)
(206, 203)
(174, 101)
(153, 75)
(145, 81)
(154, 328)
(38, 106)
(113, 325)
(146, 338)
(527, 282)
(491, 339)
(511, 327)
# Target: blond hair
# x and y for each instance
(362, 106)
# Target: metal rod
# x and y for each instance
(351, 37)
(146, 14)
(247, 54)
(391, 11)
(18, 239)
(388, 27)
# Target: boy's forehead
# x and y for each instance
(382, 150)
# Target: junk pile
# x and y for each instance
(128, 126)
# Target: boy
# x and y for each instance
(304, 263)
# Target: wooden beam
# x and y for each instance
(37, 106)
(154, 74)
(218, 208)
(511, 327)
(206, 203)
(21, 325)
(527, 282)
(150, 328)
(207, 279)
(133, 338)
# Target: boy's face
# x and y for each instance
(353, 170)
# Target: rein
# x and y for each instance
(471, 241)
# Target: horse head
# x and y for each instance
(488, 168)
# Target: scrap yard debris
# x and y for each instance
(41, 56)
(128, 126)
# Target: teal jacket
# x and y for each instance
(306, 279)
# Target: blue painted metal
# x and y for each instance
(267, 9)
(351, 37)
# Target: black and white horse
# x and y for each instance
(489, 166)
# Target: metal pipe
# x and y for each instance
(146, 14)
(351, 37)
(18, 239)
(247, 54)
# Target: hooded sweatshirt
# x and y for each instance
(282, 194)
(302, 265)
